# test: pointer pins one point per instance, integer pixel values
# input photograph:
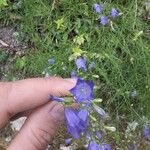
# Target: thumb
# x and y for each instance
(39, 128)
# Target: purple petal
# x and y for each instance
(99, 134)
(104, 20)
(68, 141)
(88, 136)
(74, 131)
(91, 84)
(93, 146)
(83, 90)
(55, 98)
(146, 131)
(83, 114)
(81, 64)
(71, 117)
(114, 13)
(98, 8)
(88, 104)
(91, 97)
(73, 74)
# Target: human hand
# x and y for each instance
(30, 98)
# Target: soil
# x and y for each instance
(9, 36)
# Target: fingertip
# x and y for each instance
(72, 80)
(30, 93)
(59, 86)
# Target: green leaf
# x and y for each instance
(77, 50)
(97, 100)
(76, 53)
(138, 34)
(3, 3)
(60, 23)
(20, 63)
(3, 56)
(79, 39)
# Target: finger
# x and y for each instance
(39, 128)
(24, 113)
(28, 112)
(31, 93)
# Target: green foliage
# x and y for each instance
(20, 62)
(3, 56)
(3, 3)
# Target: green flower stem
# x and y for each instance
(68, 101)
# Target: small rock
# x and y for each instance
(63, 147)
(17, 124)
(8, 139)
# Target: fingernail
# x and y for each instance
(58, 112)
(71, 80)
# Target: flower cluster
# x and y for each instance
(88, 120)
(79, 121)
(98, 8)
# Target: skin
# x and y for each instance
(30, 98)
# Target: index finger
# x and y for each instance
(31, 93)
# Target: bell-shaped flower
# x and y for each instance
(93, 146)
(83, 91)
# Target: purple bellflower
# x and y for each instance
(73, 74)
(114, 13)
(68, 141)
(55, 98)
(104, 20)
(74, 131)
(77, 122)
(81, 64)
(93, 146)
(83, 115)
(51, 61)
(83, 91)
(73, 122)
(98, 8)
(146, 131)
(71, 117)
(99, 134)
